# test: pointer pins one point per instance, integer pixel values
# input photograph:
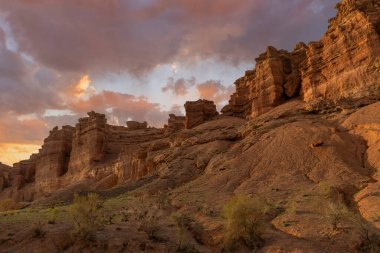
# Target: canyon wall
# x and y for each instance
(94, 153)
(343, 66)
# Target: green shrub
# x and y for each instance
(86, 213)
(52, 215)
(244, 222)
(8, 204)
(325, 189)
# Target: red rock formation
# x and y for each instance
(89, 151)
(4, 172)
(175, 123)
(89, 139)
(52, 160)
(343, 65)
(198, 112)
(135, 125)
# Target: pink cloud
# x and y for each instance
(215, 91)
(96, 36)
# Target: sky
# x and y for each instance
(132, 59)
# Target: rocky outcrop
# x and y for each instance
(4, 172)
(89, 151)
(175, 123)
(198, 112)
(89, 141)
(135, 125)
(366, 124)
(343, 66)
(53, 159)
(26, 168)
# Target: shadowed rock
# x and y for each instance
(198, 112)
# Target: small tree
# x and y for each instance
(244, 219)
(87, 215)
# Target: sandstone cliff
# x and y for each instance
(312, 140)
(94, 154)
(344, 66)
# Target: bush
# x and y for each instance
(183, 222)
(52, 215)
(244, 220)
(8, 204)
(336, 213)
(87, 215)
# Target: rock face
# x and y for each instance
(96, 153)
(4, 172)
(366, 123)
(135, 125)
(175, 123)
(89, 151)
(343, 66)
(199, 112)
(53, 159)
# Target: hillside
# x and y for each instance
(301, 135)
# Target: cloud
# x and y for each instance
(215, 91)
(81, 87)
(14, 152)
(179, 87)
(27, 87)
(125, 35)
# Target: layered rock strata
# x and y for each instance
(175, 123)
(198, 112)
(343, 66)
(135, 125)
